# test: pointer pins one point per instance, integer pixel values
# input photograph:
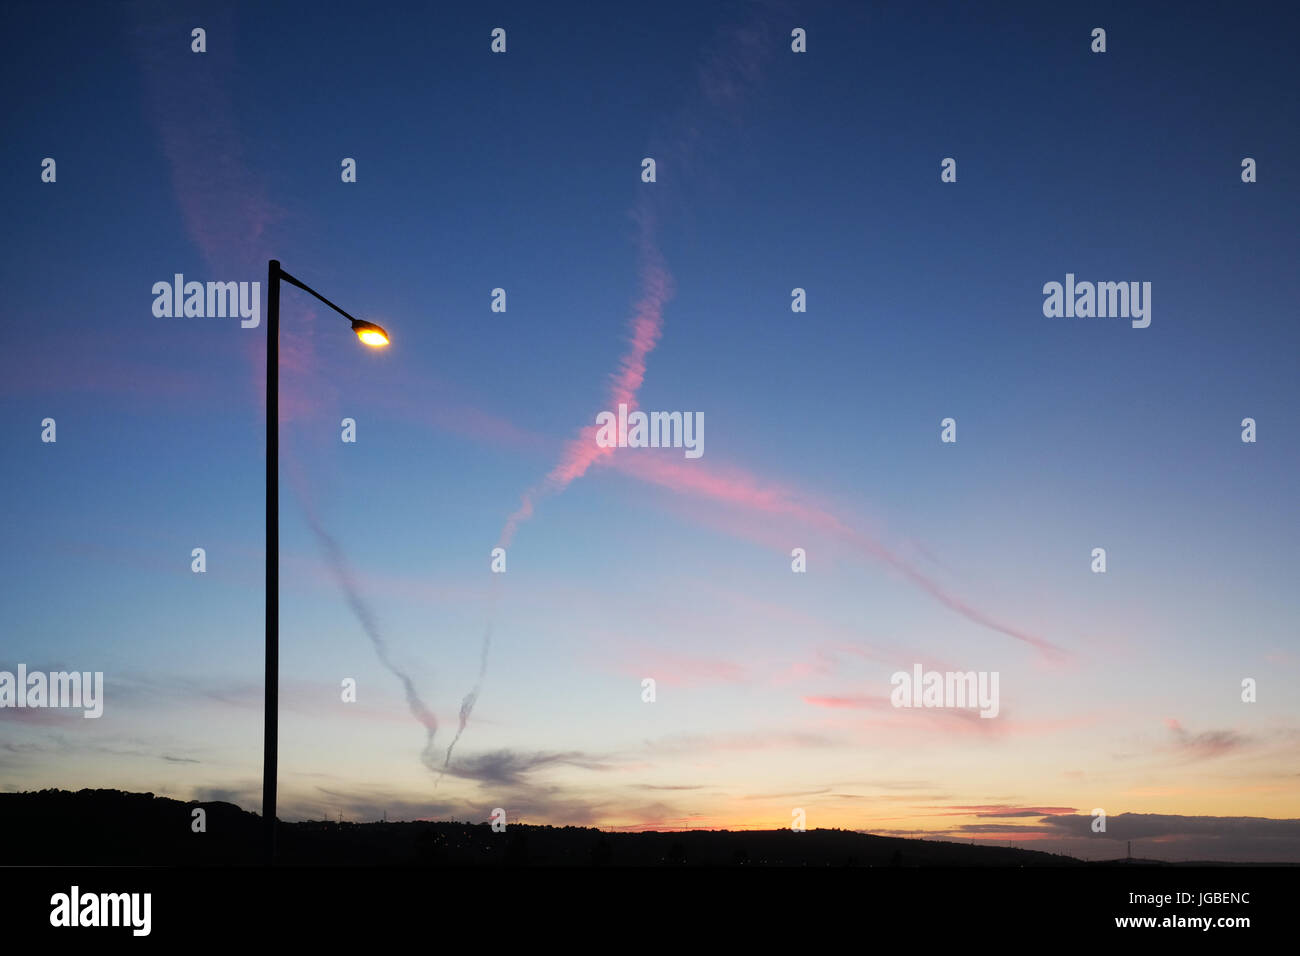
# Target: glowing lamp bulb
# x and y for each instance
(370, 334)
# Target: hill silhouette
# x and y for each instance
(112, 827)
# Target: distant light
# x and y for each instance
(370, 334)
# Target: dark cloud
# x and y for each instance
(1207, 744)
(999, 828)
(506, 768)
(42, 716)
(72, 747)
(1145, 826)
(1153, 836)
(1171, 837)
(892, 784)
(1001, 810)
(792, 793)
(757, 740)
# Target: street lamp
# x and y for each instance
(371, 335)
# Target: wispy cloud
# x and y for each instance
(644, 328)
(1003, 810)
(510, 767)
(849, 703)
(740, 489)
(1206, 745)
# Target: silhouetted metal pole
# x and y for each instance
(371, 335)
(271, 722)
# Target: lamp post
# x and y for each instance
(371, 335)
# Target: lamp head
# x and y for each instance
(370, 334)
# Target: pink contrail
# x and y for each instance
(744, 490)
(728, 75)
(646, 326)
(581, 452)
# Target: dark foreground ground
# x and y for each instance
(110, 827)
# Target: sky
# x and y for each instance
(775, 170)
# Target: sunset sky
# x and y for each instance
(775, 170)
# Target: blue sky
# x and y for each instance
(775, 170)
